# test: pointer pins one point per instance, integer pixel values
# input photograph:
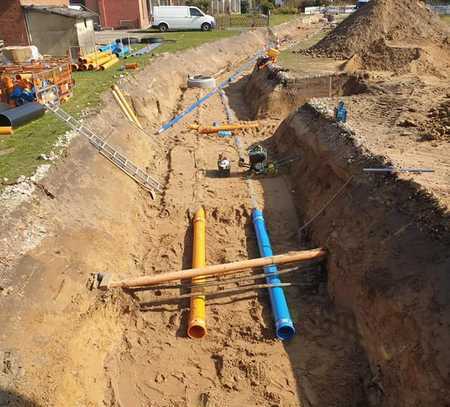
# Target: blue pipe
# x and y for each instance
(283, 322)
(202, 100)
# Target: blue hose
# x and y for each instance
(283, 322)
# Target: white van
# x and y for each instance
(181, 18)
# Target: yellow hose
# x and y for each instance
(197, 317)
(128, 107)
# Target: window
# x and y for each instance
(195, 12)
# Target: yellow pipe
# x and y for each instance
(101, 59)
(197, 317)
(124, 109)
(226, 127)
(6, 130)
(128, 107)
(93, 57)
(110, 63)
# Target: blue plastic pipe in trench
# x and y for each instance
(283, 322)
(202, 100)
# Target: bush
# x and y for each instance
(201, 4)
(266, 6)
(245, 6)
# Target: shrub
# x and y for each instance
(201, 4)
(245, 6)
(266, 6)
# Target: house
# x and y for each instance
(121, 13)
(50, 25)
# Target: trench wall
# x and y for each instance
(388, 243)
(271, 91)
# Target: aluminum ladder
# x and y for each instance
(140, 176)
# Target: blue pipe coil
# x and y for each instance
(283, 322)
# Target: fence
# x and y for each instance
(331, 10)
(441, 9)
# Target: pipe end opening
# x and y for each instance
(285, 332)
(196, 332)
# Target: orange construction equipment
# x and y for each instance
(197, 317)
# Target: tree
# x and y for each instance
(201, 4)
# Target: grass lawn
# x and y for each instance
(19, 153)
(446, 19)
(276, 19)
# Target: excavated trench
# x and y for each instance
(387, 238)
(368, 327)
(274, 92)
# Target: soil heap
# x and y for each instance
(388, 35)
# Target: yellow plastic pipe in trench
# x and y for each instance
(197, 317)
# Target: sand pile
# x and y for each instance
(388, 35)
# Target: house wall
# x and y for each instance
(92, 5)
(52, 34)
(13, 29)
(144, 17)
(43, 2)
(86, 36)
(119, 13)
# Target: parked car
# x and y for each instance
(181, 18)
(361, 3)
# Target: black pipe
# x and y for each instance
(4, 106)
(21, 115)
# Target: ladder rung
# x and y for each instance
(109, 152)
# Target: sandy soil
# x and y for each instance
(62, 344)
(397, 122)
(371, 328)
(388, 235)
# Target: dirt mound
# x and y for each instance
(403, 36)
(407, 21)
(437, 124)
